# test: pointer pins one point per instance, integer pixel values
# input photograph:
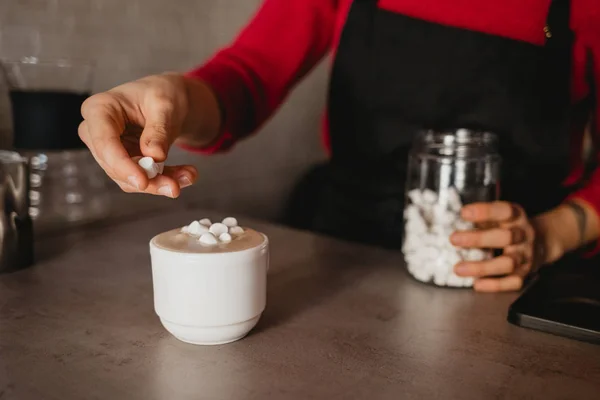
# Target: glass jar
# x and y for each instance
(446, 170)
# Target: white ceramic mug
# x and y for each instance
(210, 298)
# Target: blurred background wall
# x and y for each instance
(129, 39)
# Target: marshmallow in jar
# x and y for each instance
(210, 280)
(446, 170)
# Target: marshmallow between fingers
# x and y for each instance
(476, 255)
(151, 168)
(462, 225)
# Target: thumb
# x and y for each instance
(158, 134)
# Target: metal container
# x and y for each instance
(16, 228)
(446, 170)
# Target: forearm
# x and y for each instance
(202, 125)
(252, 76)
(564, 229)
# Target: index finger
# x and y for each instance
(104, 140)
(496, 211)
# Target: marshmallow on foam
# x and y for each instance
(208, 239)
(236, 230)
(210, 234)
(225, 238)
(151, 168)
(218, 229)
(230, 222)
(196, 229)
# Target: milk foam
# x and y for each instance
(181, 242)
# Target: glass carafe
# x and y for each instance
(67, 186)
(446, 170)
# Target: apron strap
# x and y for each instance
(558, 21)
(559, 37)
(557, 66)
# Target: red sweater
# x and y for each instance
(287, 38)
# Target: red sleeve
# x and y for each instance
(589, 34)
(253, 76)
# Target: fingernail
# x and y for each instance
(156, 144)
(134, 181)
(165, 191)
(467, 212)
(456, 239)
(461, 269)
(184, 181)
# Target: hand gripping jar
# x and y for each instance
(446, 170)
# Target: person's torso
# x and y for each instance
(514, 19)
(406, 66)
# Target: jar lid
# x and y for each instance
(460, 143)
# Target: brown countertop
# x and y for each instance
(342, 322)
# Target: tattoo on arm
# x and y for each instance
(581, 217)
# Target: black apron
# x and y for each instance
(395, 76)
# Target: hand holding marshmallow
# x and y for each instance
(150, 167)
(143, 119)
(166, 181)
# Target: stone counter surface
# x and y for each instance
(343, 321)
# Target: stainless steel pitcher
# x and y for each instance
(16, 228)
